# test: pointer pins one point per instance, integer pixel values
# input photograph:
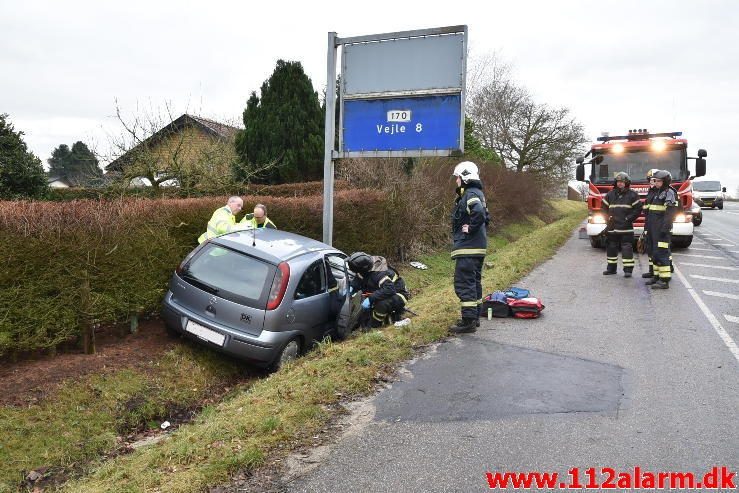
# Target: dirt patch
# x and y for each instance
(28, 382)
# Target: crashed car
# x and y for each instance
(263, 295)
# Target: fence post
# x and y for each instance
(88, 330)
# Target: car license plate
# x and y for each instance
(205, 333)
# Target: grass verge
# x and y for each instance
(86, 419)
(292, 405)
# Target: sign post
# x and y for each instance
(402, 95)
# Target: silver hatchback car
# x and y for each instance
(262, 295)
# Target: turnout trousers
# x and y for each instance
(624, 243)
(391, 307)
(468, 285)
(662, 257)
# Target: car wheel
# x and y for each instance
(596, 242)
(289, 352)
(721, 207)
(682, 242)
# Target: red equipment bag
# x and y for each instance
(525, 307)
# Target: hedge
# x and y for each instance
(127, 249)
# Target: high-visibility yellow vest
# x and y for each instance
(251, 222)
(221, 222)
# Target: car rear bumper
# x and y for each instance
(259, 350)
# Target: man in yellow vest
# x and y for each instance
(258, 219)
(223, 219)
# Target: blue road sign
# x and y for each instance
(398, 124)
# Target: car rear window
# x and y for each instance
(229, 274)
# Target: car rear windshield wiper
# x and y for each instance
(197, 282)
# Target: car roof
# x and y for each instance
(273, 245)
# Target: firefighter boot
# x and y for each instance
(652, 280)
(609, 271)
(465, 325)
(627, 273)
(647, 275)
(661, 284)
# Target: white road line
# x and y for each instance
(731, 319)
(717, 279)
(699, 256)
(709, 266)
(721, 295)
(729, 212)
(703, 249)
(711, 318)
(723, 244)
(722, 238)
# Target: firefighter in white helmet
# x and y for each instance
(469, 232)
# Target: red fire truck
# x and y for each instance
(637, 153)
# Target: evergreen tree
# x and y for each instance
(58, 161)
(473, 147)
(21, 172)
(78, 165)
(82, 167)
(283, 125)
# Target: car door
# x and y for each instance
(311, 302)
(345, 305)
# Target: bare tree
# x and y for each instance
(150, 146)
(527, 135)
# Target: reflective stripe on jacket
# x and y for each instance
(221, 222)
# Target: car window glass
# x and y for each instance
(229, 274)
(313, 281)
(336, 268)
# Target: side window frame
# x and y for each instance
(323, 286)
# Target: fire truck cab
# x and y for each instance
(636, 153)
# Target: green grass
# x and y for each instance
(83, 419)
(283, 411)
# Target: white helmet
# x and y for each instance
(467, 170)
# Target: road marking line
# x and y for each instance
(711, 318)
(717, 279)
(721, 295)
(723, 244)
(698, 256)
(729, 212)
(731, 319)
(708, 266)
(722, 237)
(702, 249)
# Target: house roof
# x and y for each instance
(211, 127)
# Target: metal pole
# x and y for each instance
(328, 163)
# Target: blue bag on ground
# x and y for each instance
(517, 293)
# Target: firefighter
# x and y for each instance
(622, 206)
(387, 291)
(661, 214)
(650, 248)
(223, 219)
(469, 232)
(258, 219)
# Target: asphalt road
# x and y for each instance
(612, 375)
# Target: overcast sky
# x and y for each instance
(661, 65)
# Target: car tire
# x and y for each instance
(721, 207)
(682, 242)
(596, 242)
(288, 353)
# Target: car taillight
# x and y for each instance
(279, 286)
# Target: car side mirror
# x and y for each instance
(700, 166)
(580, 172)
(702, 153)
(723, 189)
